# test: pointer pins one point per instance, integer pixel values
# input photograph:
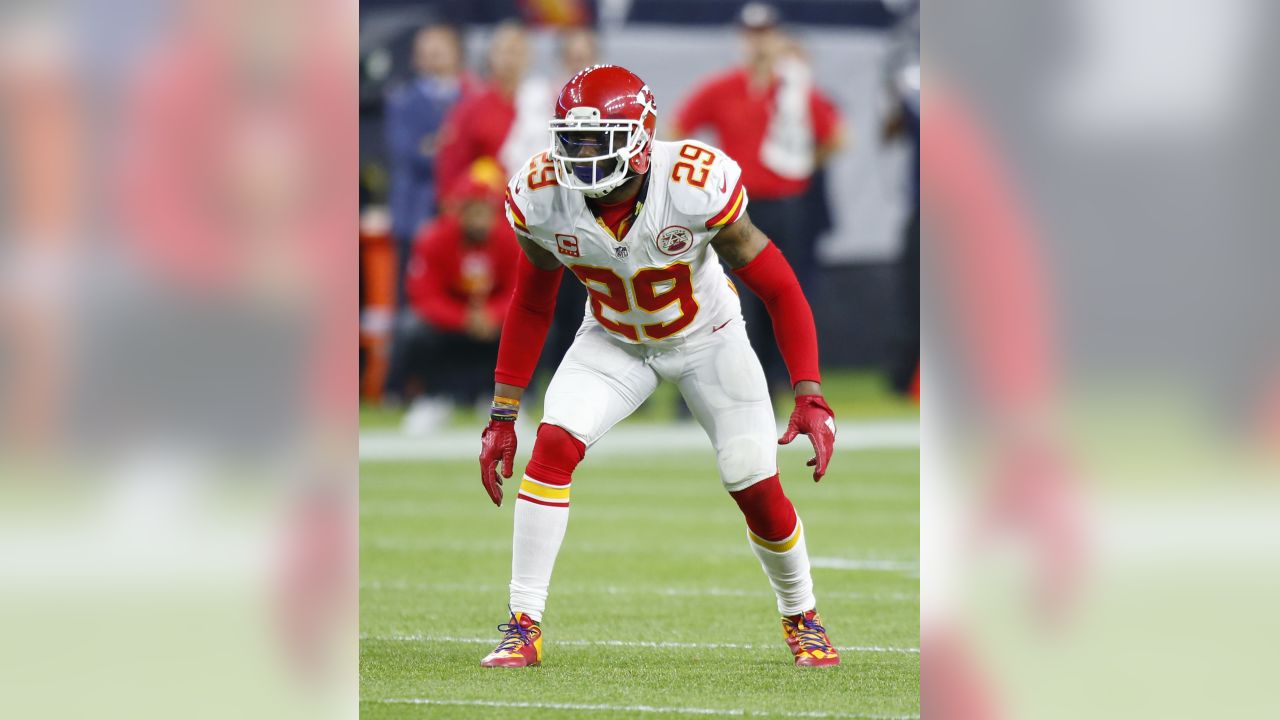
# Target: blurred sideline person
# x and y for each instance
(415, 111)
(458, 282)
(817, 202)
(579, 49)
(40, 164)
(501, 120)
(768, 115)
(902, 73)
(645, 225)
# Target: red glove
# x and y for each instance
(497, 442)
(813, 417)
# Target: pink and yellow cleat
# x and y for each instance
(521, 644)
(808, 640)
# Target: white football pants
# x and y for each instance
(603, 380)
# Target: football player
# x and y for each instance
(644, 225)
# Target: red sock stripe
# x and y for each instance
(770, 515)
(537, 501)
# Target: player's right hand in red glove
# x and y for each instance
(497, 442)
(813, 417)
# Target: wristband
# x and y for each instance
(504, 409)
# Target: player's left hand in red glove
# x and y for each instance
(813, 417)
(497, 442)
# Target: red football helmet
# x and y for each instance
(603, 129)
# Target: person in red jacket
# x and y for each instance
(770, 117)
(501, 120)
(458, 282)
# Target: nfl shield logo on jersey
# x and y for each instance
(621, 252)
(674, 240)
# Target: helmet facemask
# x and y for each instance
(594, 155)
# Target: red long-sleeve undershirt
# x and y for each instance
(528, 318)
(770, 276)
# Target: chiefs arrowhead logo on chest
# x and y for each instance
(674, 240)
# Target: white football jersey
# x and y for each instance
(661, 282)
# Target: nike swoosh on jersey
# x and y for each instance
(721, 325)
(724, 183)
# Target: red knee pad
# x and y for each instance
(555, 454)
(769, 513)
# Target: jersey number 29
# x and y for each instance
(689, 173)
(608, 289)
(541, 172)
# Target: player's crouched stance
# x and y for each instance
(643, 225)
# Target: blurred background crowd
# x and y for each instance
(818, 102)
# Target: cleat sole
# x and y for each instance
(817, 662)
(508, 663)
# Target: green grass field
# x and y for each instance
(657, 605)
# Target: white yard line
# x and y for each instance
(824, 563)
(405, 585)
(399, 637)
(862, 517)
(651, 709)
(838, 563)
(625, 440)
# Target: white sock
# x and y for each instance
(535, 542)
(786, 563)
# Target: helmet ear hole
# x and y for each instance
(640, 163)
(640, 160)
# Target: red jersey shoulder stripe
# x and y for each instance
(732, 208)
(515, 212)
(737, 213)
